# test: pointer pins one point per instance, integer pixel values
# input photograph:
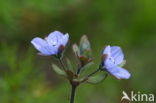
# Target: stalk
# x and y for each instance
(73, 91)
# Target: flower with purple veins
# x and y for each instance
(54, 44)
(113, 57)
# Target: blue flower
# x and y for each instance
(54, 44)
(113, 57)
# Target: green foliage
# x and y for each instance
(97, 78)
(83, 52)
(15, 80)
(69, 65)
(58, 70)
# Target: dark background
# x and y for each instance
(26, 77)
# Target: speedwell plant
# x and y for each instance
(111, 63)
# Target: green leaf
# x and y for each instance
(122, 63)
(97, 78)
(76, 49)
(88, 65)
(69, 64)
(58, 70)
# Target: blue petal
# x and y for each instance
(107, 50)
(109, 62)
(55, 38)
(65, 39)
(50, 50)
(119, 73)
(114, 70)
(117, 54)
(39, 43)
(42, 46)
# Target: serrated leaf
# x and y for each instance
(122, 63)
(58, 70)
(97, 78)
(76, 49)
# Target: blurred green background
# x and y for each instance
(26, 77)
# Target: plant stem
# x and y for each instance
(93, 73)
(72, 97)
(78, 70)
(86, 78)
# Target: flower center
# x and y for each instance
(53, 43)
(112, 60)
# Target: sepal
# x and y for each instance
(97, 78)
(58, 70)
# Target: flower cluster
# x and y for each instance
(55, 43)
(112, 59)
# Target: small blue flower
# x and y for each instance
(113, 57)
(54, 44)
